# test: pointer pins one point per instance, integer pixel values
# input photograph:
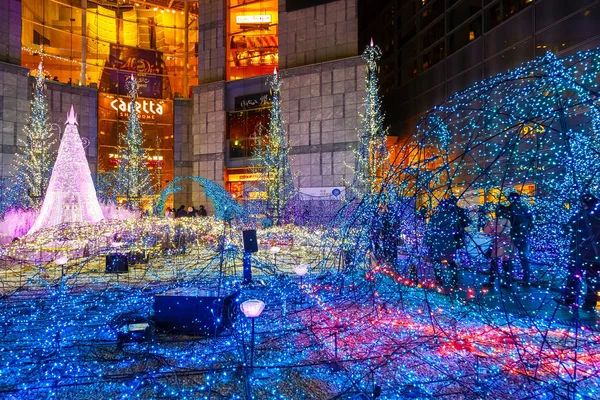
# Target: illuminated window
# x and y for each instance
(101, 45)
(252, 38)
(84, 46)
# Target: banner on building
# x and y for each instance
(322, 193)
(146, 65)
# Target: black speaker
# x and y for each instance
(376, 391)
(191, 311)
(250, 242)
(137, 257)
(116, 263)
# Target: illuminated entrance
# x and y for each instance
(100, 44)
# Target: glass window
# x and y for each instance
(509, 33)
(433, 56)
(294, 5)
(431, 99)
(503, 10)
(432, 77)
(408, 71)
(464, 59)
(102, 45)
(463, 81)
(407, 52)
(407, 11)
(99, 44)
(407, 33)
(465, 35)
(463, 12)
(570, 32)
(431, 13)
(157, 131)
(252, 38)
(554, 10)
(510, 59)
(433, 34)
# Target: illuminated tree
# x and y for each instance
(272, 155)
(71, 196)
(35, 157)
(133, 179)
(372, 155)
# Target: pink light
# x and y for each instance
(71, 196)
(301, 269)
(71, 117)
(252, 308)
(61, 261)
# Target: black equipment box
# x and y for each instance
(193, 311)
(250, 242)
(116, 263)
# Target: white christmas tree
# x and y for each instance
(71, 196)
(34, 160)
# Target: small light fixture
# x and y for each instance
(252, 308)
(301, 269)
(61, 261)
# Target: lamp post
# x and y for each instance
(252, 309)
(301, 270)
(62, 261)
(275, 250)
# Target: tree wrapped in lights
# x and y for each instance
(372, 155)
(373, 213)
(272, 155)
(35, 158)
(133, 179)
(71, 196)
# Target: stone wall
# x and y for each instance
(10, 31)
(317, 34)
(183, 149)
(211, 41)
(321, 106)
(15, 104)
(208, 131)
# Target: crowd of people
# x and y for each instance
(508, 228)
(181, 212)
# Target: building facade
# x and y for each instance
(435, 48)
(203, 67)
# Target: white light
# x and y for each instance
(301, 269)
(275, 249)
(61, 261)
(252, 308)
(253, 19)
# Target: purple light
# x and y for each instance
(71, 196)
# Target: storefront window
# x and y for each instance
(156, 120)
(84, 42)
(101, 44)
(252, 38)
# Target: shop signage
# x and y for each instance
(256, 100)
(245, 177)
(144, 107)
(253, 19)
(322, 193)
